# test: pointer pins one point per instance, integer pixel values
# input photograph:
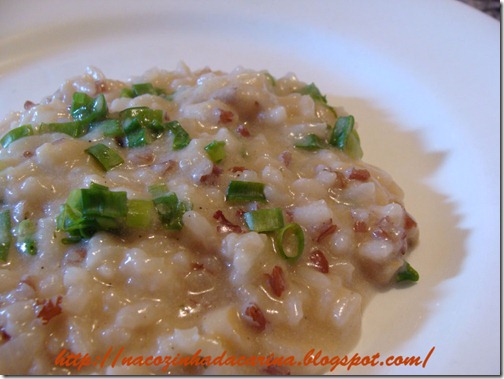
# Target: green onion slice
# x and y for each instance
(139, 213)
(158, 190)
(141, 125)
(141, 117)
(86, 109)
(216, 151)
(353, 147)
(264, 220)
(139, 138)
(407, 273)
(127, 92)
(15, 134)
(169, 208)
(310, 142)
(5, 234)
(313, 91)
(110, 128)
(289, 242)
(145, 88)
(141, 89)
(341, 131)
(26, 237)
(245, 191)
(96, 186)
(345, 137)
(105, 156)
(180, 137)
(74, 129)
(103, 203)
(89, 210)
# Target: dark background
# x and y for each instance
(490, 7)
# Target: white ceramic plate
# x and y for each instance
(422, 79)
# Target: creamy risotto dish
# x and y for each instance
(189, 214)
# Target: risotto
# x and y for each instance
(189, 214)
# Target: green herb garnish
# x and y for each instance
(216, 151)
(5, 234)
(25, 237)
(310, 142)
(264, 220)
(15, 134)
(105, 156)
(86, 109)
(345, 137)
(180, 137)
(289, 242)
(407, 273)
(169, 208)
(90, 210)
(245, 191)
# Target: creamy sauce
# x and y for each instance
(165, 292)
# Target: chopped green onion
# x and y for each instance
(70, 240)
(170, 210)
(139, 213)
(345, 137)
(74, 129)
(72, 221)
(127, 92)
(141, 125)
(98, 202)
(87, 211)
(96, 186)
(5, 234)
(105, 156)
(86, 109)
(141, 117)
(313, 91)
(143, 88)
(353, 147)
(110, 128)
(180, 137)
(310, 142)
(285, 247)
(341, 131)
(407, 273)
(26, 237)
(139, 138)
(15, 134)
(216, 151)
(264, 220)
(80, 104)
(245, 191)
(158, 190)
(146, 88)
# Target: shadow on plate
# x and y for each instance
(396, 315)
